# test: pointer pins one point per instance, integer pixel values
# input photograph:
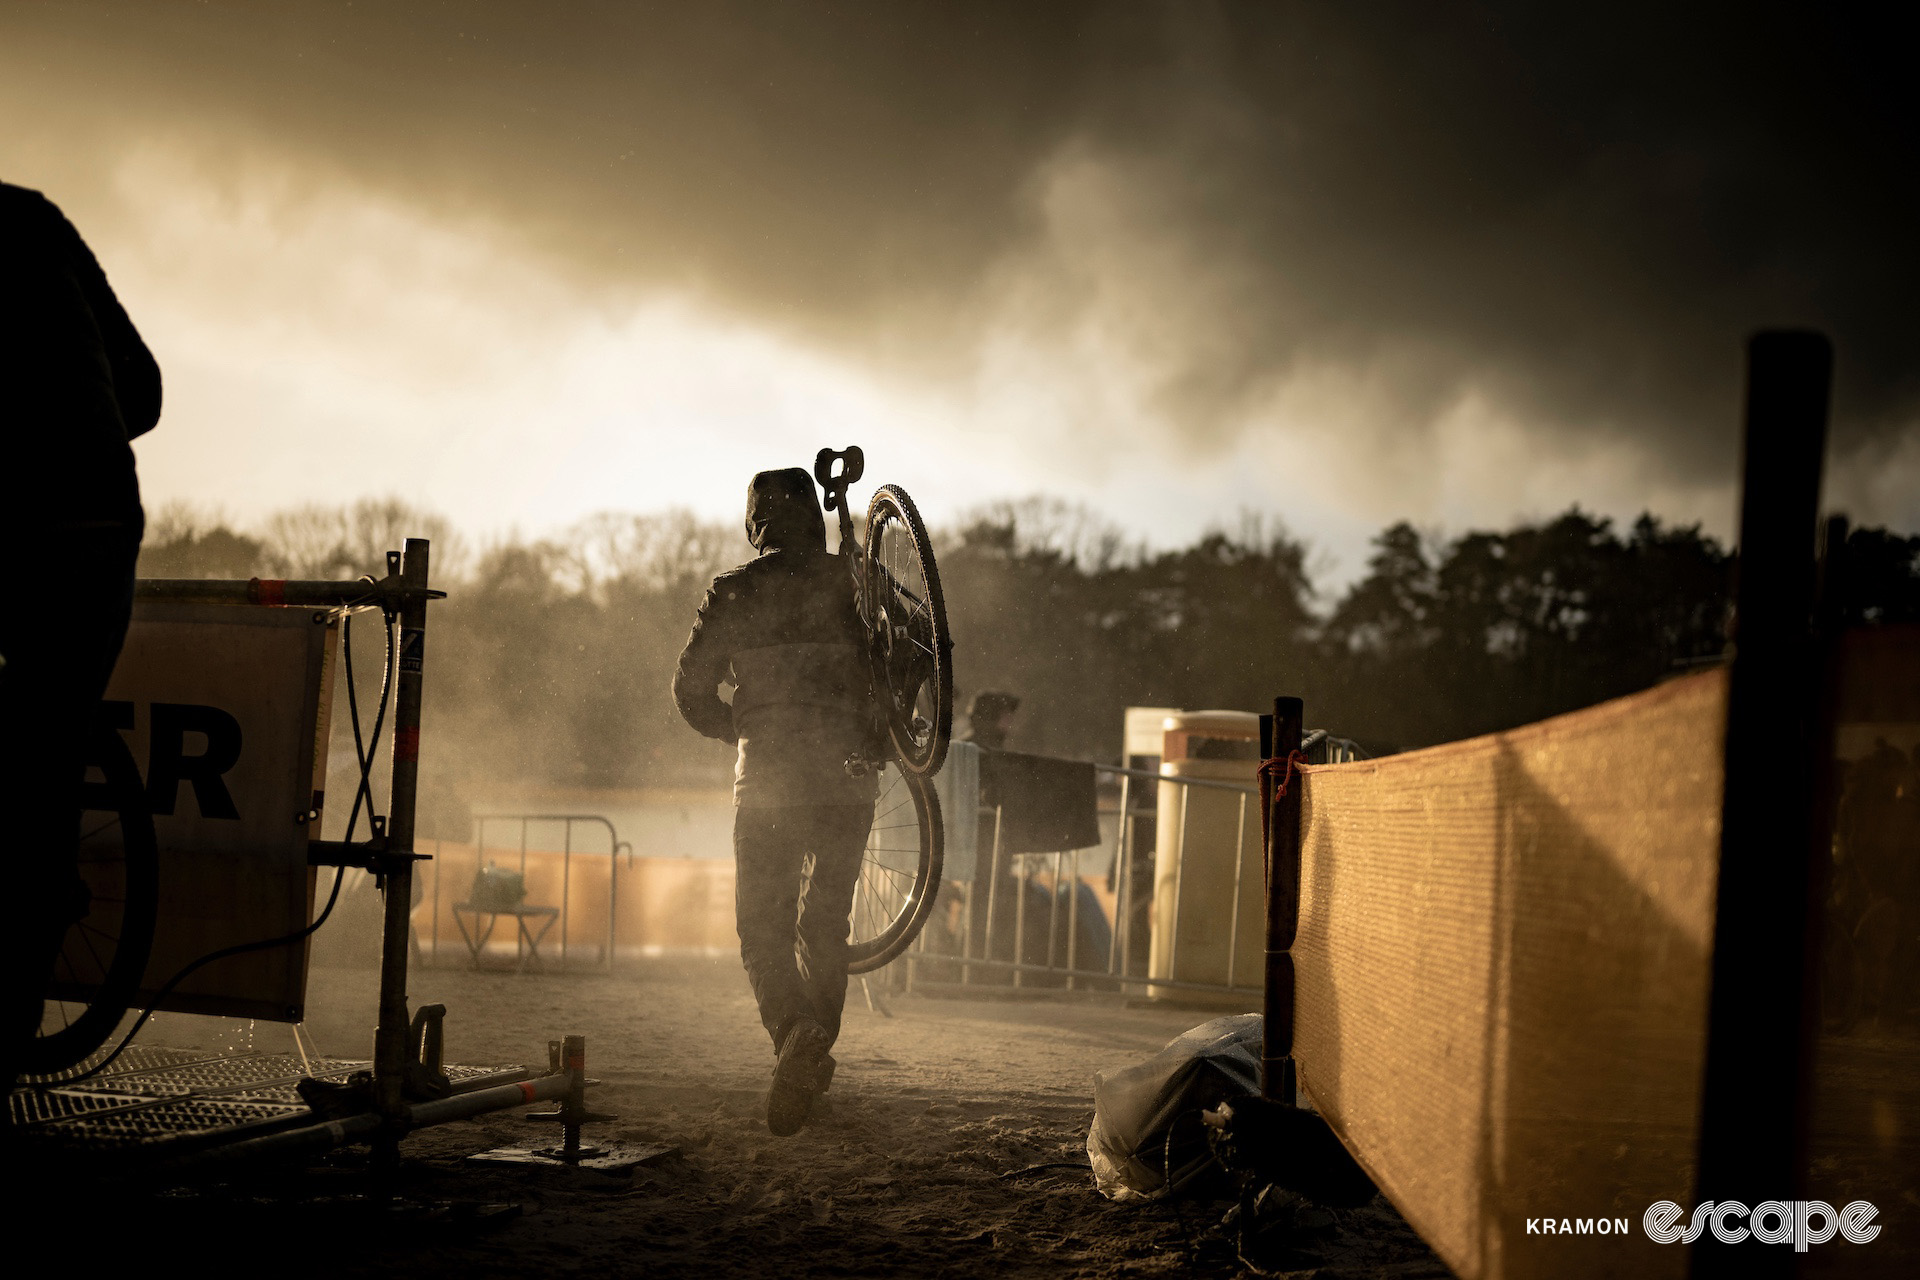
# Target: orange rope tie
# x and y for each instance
(1283, 769)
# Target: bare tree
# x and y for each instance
(186, 541)
(316, 541)
(669, 551)
(1051, 527)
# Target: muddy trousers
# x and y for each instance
(793, 925)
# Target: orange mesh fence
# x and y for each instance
(663, 904)
(1502, 976)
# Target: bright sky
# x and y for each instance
(510, 283)
(342, 343)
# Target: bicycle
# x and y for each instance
(104, 956)
(910, 655)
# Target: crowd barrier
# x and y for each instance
(658, 905)
(1502, 969)
(1016, 923)
(1543, 981)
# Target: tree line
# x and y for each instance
(551, 658)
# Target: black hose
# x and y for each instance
(361, 755)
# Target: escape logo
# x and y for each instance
(1769, 1222)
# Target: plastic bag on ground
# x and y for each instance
(1147, 1140)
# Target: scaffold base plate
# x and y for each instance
(615, 1158)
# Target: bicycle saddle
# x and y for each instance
(852, 461)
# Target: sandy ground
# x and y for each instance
(925, 1165)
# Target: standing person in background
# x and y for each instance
(76, 386)
(783, 629)
(990, 720)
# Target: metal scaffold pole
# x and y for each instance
(1282, 804)
(390, 1044)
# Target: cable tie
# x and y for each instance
(1283, 770)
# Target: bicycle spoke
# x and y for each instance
(888, 893)
(60, 1006)
(101, 954)
(94, 952)
(873, 913)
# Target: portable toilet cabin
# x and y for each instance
(1209, 875)
(1146, 736)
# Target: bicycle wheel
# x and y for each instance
(901, 872)
(98, 971)
(907, 622)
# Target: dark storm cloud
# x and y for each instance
(1575, 211)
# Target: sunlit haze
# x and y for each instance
(1119, 326)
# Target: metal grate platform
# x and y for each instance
(133, 1060)
(160, 1101)
(165, 1121)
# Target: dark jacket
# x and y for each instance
(76, 382)
(784, 631)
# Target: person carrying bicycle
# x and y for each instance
(784, 630)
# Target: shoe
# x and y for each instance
(822, 1107)
(796, 1077)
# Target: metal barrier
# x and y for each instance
(615, 846)
(1117, 968)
